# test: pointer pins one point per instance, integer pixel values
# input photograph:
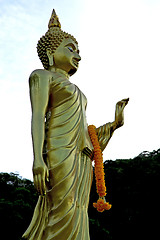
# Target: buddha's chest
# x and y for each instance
(66, 93)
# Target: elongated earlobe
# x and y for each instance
(50, 58)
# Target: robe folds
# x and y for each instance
(62, 214)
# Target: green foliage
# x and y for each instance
(17, 201)
(133, 190)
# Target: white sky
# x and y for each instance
(119, 44)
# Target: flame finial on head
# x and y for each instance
(54, 20)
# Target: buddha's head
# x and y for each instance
(57, 48)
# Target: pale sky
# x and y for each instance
(119, 44)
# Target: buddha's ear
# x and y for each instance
(50, 57)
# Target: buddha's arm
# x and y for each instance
(105, 132)
(39, 94)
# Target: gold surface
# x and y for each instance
(62, 167)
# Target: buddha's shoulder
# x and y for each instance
(44, 75)
(41, 73)
(41, 77)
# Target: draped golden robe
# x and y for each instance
(63, 212)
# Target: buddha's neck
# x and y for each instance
(58, 70)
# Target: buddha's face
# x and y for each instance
(66, 56)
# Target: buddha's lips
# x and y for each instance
(75, 62)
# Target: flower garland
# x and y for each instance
(101, 204)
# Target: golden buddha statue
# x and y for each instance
(62, 167)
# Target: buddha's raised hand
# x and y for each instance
(119, 114)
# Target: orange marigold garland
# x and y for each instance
(101, 204)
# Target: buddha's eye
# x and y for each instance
(70, 49)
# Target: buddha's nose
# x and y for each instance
(77, 57)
